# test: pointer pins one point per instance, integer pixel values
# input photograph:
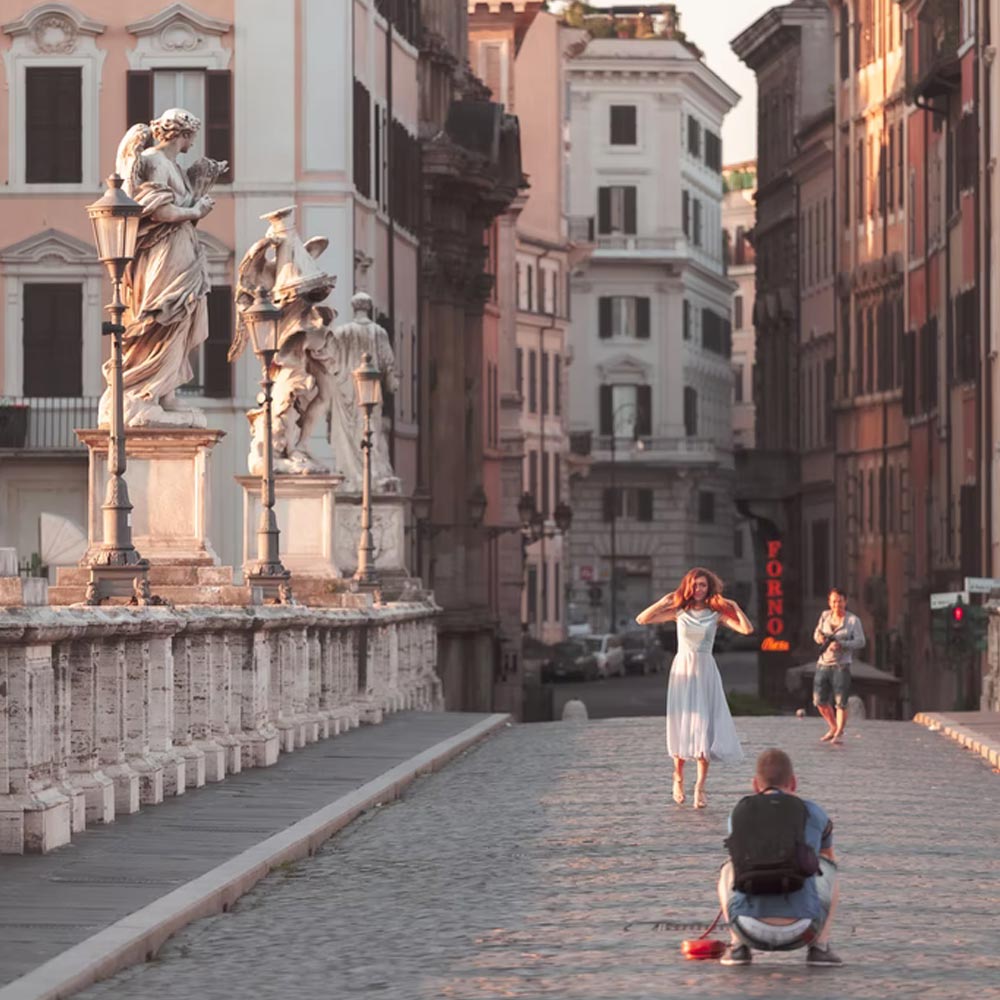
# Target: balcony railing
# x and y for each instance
(580, 228)
(44, 423)
(624, 241)
(651, 448)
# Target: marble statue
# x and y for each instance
(166, 285)
(350, 341)
(302, 371)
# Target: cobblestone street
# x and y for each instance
(512, 874)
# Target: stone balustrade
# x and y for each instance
(105, 710)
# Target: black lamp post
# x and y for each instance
(116, 568)
(268, 573)
(368, 383)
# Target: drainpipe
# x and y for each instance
(391, 259)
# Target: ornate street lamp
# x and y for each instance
(263, 318)
(563, 516)
(526, 510)
(116, 568)
(368, 382)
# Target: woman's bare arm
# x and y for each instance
(743, 625)
(659, 612)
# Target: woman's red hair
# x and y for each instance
(683, 596)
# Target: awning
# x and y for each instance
(794, 676)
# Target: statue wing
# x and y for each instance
(128, 160)
(255, 270)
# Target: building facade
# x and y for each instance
(651, 378)
(75, 78)
(790, 50)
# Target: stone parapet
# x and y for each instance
(105, 710)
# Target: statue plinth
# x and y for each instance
(168, 484)
(388, 534)
(304, 507)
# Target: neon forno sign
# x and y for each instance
(774, 571)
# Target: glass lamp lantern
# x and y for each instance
(115, 218)
(263, 318)
(368, 383)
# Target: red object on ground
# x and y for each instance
(701, 948)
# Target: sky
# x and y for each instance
(712, 25)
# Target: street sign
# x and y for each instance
(948, 599)
(981, 584)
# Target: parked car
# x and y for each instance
(610, 653)
(570, 660)
(643, 653)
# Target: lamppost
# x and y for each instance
(368, 382)
(116, 568)
(614, 501)
(268, 573)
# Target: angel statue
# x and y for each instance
(302, 370)
(166, 284)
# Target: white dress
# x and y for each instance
(698, 719)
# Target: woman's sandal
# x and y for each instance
(700, 802)
(678, 790)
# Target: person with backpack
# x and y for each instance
(778, 890)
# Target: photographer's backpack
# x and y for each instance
(768, 845)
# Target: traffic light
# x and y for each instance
(956, 625)
(977, 620)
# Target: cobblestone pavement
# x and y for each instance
(512, 872)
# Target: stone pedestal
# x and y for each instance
(305, 510)
(168, 485)
(388, 535)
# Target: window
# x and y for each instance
(690, 411)
(533, 474)
(738, 543)
(901, 153)
(686, 212)
(737, 383)
(696, 222)
(519, 371)
(846, 193)
(623, 316)
(545, 382)
(644, 505)
(53, 125)
(53, 339)
(213, 376)
(686, 328)
(627, 409)
(713, 151)
(557, 385)
(616, 209)
(706, 507)
(716, 333)
(623, 125)
(694, 136)
(362, 140)
(844, 41)
(860, 181)
(629, 504)
(531, 595)
(738, 312)
(544, 508)
(207, 94)
(532, 382)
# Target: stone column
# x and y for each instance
(184, 743)
(202, 680)
(162, 716)
(85, 774)
(111, 696)
(259, 735)
(34, 814)
(137, 697)
(62, 730)
(283, 688)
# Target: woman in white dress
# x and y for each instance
(699, 725)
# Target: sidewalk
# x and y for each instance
(977, 731)
(116, 893)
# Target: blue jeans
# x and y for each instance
(832, 684)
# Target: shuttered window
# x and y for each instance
(623, 125)
(690, 411)
(53, 125)
(616, 209)
(219, 119)
(362, 140)
(138, 96)
(217, 373)
(53, 339)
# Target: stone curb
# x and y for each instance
(140, 935)
(968, 738)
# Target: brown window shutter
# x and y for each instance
(604, 317)
(53, 339)
(608, 504)
(604, 210)
(219, 115)
(630, 210)
(642, 318)
(645, 505)
(605, 408)
(217, 376)
(644, 405)
(53, 125)
(138, 96)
